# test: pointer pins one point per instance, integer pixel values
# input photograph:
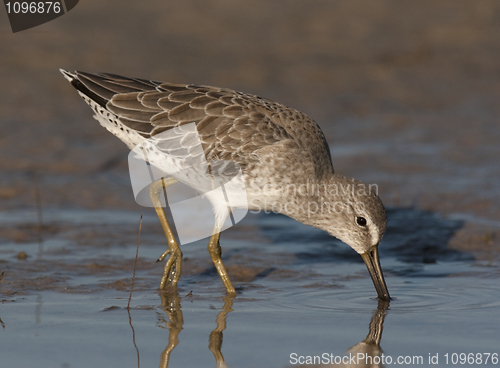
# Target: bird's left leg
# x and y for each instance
(172, 270)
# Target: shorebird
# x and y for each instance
(277, 148)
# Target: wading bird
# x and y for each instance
(274, 146)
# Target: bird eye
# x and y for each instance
(361, 221)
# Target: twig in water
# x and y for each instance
(130, 296)
(39, 212)
(135, 264)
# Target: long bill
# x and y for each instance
(372, 262)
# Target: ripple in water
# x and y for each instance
(440, 294)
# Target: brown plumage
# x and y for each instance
(232, 125)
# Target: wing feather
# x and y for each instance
(230, 124)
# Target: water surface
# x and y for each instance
(300, 294)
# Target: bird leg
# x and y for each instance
(215, 253)
(172, 269)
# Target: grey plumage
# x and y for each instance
(232, 125)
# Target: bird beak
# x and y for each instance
(372, 262)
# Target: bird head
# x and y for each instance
(352, 212)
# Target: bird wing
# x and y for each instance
(232, 125)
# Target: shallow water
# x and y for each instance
(300, 293)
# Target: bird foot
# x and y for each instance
(172, 270)
(162, 257)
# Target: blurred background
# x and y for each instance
(406, 92)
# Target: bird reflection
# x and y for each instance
(369, 348)
(215, 338)
(171, 304)
(367, 353)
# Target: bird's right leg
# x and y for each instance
(172, 270)
(215, 253)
